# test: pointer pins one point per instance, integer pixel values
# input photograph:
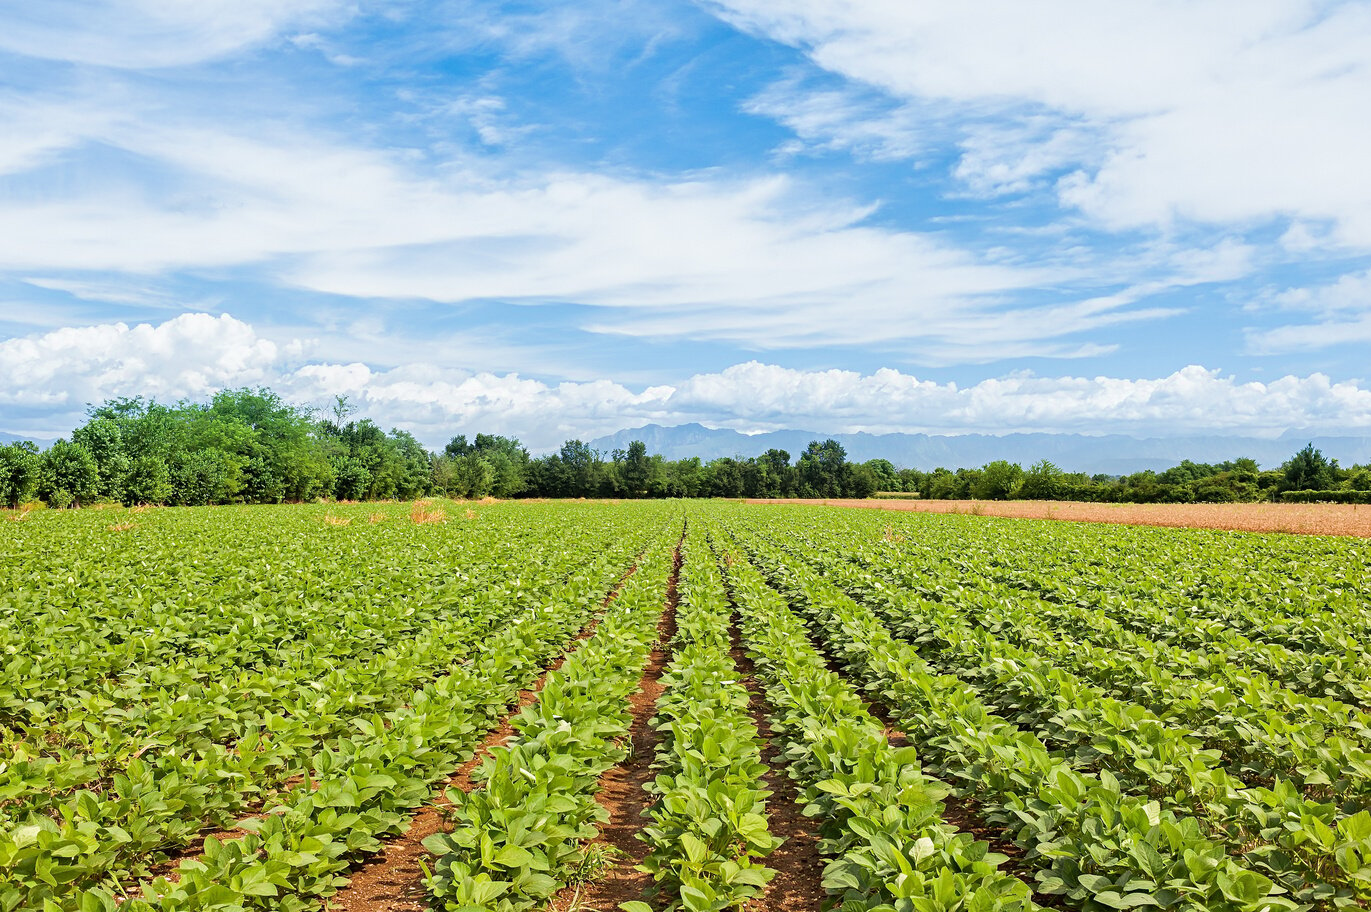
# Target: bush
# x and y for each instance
(1327, 496)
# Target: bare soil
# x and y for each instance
(621, 788)
(798, 884)
(392, 880)
(1297, 519)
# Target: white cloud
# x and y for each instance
(196, 354)
(1338, 314)
(189, 355)
(137, 34)
(768, 262)
(1220, 111)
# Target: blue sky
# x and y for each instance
(556, 220)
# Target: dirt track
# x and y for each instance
(1301, 519)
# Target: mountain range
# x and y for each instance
(1113, 454)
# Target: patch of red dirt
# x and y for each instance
(798, 884)
(1297, 519)
(621, 788)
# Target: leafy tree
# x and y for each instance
(148, 481)
(18, 472)
(942, 484)
(860, 480)
(582, 467)
(1041, 481)
(1309, 470)
(509, 460)
(998, 480)
(636, 470)
(725, 478)
(821, 468)
(104, 440)
(207, 476)
(352, 479)
(472, 476)
(887, 478)
(68, 474)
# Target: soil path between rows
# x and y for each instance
(798, 884)
(1351, 520)
(392, 880)
(621, 790)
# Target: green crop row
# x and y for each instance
(519, 835)
(1094, 844)
(1262, 730)
(358, 786)
(879, 816)
(1318, 860)
(709, 823)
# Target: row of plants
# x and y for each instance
(519, 835)
(1318, 861)
(878, 815)
(191, 597)
(189, 758)
(1262, 729)
(1334, 495)
(709, 822)
(1095, 844)
(1292, 609)
(311, 749)
(1298, 594)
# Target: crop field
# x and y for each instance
(659, 705)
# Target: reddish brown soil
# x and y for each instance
(1298, 519)
(392, 880)
(621, 791)
(798, 884)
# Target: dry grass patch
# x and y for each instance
(122, 527)
(423, 511)
(331, 520)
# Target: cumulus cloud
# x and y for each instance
(1220, 111)
(190, 355)
(195, 354)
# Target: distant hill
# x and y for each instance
(43, 442)
(1114, 454)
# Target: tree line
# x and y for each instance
(250, 446)
(1307, 476)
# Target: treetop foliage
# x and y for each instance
(251, 446)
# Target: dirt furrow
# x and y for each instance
(621, 792)
(393, 880)
(798, 884)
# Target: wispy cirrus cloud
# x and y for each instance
(141, 34)
(1219, 111)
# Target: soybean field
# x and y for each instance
(591, 706)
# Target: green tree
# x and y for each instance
(1041, 482)
(999, 480)
(635, 470)
(583, 468)
(472, 476)
(18, 472)
(352, 479)
(68, 474)
(860, 481)
(148, 481)
(821, 468)
(887, 478)
(1309, 470)
(104, 440)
